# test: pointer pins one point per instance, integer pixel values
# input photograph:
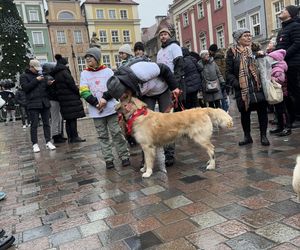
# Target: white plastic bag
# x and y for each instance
(272, 90)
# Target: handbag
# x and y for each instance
(2, 102)
(273, 92)
(212, 86)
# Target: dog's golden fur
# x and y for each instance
(157, 129)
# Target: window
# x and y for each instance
(241, 23)
(278, 7)
(38, 38)
(255, 24)
(114, 36)
(203, 44)
(65, 15)
(117, 61)
(42, 59)
(220, 37)
(102, 36)
(112, 14)
(218, 4)
(185, 19)
(123, 14)
(81, 63)
(297, 2)
(106, 60)
(33, 15)
(100, 14)
(200, 9)
(126, 36)
(61, 37)
(77, 36)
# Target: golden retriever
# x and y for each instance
(155, 129)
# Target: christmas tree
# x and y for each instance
(13, 41)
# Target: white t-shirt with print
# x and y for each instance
(168, 54)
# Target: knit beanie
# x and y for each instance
(213, 47)
(94, 52)
(238, 33)
(125, 48)
(115, 88)
(165, 30)
(139, 46)
(292, 10)
(60, 59)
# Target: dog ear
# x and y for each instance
(138, 103)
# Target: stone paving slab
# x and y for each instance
(66, 199)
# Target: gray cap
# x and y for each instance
(238, 33)
(94, 52)
(115, 88)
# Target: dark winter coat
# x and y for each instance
(289, 39)
(21, 98)
(219, 58)
(47, 69)
(232, 77)
(67, 93)
(192, 72)
(9, 97)
(210, 72)
(36, 91)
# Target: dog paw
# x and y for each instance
(211, 166)
(147, 174)
(143, 169)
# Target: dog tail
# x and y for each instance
(220, 118)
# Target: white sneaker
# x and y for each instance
(24, 126)
(36, 148)
(50, 146)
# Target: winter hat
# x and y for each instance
(213, 47)
(203, 52)
(165, 30)
(125, 48)
(94, 52)
(292, 10)
(115, 88)
(238, 33)
(60, 59)
(278, 55)
(139, 46)
(35, 64)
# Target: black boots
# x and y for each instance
(264, 140)
(276, 130)
(285, 132)
(58, 139)
(247, 140)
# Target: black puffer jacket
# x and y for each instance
(67, 93)
(36, 91)
(289, 39)
(192, 72)
(232, 77)
(21, 97)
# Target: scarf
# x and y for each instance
(247, 69)
(96, 69)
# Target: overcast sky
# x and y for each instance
(148, 9)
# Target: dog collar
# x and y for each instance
(133, 117)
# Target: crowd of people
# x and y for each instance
(178, 76)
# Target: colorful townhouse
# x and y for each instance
(68, 33)
(33, 15)
(115, 22)
(201, 23)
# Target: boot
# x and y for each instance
(76, 139)
(285, 132)
(264, 140)
(61, 137)
(57, 139)
(247, 140)
(276, 130)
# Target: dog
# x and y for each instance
(296, 178)
(155, 129)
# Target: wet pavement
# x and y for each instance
(66, 199)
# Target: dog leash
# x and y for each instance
(175, 103)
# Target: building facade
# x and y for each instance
(32, 13)
(68, 33)
(273, 9)
(201, 23)
(115, 22)
(251, 15)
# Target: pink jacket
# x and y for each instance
(279, 69)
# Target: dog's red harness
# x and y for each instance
(133, 117)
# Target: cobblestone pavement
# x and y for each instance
(66, 199)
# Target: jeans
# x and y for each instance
(24, 115)
(34, 120)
